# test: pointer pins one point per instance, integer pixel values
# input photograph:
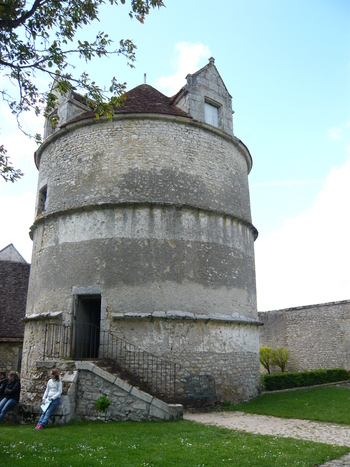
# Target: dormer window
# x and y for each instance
(211, 113)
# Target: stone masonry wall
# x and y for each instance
(225, 350)
(166, 160)
(317, 336)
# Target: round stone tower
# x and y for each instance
(143, 227)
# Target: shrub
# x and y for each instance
(304, 378)
(265, 357)
(279, 357)
(102, 404)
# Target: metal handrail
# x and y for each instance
(153, 374)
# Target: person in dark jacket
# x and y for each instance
(3, 382)
(12, 391)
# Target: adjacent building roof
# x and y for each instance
(14, 276)
(9, 253)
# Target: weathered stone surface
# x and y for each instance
(141, 395)
(151, 213)
(103, 374)
(316, 336)
(123, 385)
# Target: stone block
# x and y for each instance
(141, 395)
(123, 385)
(70, 377)
(103, 374)
(159, 404)
(159, 414)
(176, 410)
(87, 366)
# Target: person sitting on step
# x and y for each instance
(11, 393)
(51, 398)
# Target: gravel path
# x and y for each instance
(328, 433)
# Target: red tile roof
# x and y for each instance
(143, 99)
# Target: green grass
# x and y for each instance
(158, 444)
(327, 404)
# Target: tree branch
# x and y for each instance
(13, 24)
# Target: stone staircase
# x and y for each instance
(83, 383)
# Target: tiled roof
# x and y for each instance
(143, 99)
(13, 295)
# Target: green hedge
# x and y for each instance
(304, 378)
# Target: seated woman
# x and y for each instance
(52, 395)
(11, 393)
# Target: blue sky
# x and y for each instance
(287, 66)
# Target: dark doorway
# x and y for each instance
(87, 329)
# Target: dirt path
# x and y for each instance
(328, 433)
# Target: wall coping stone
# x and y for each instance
(143, 396)
(88, 366)
(185, 315)
(103, 374)
(306, 307)
(45, 315)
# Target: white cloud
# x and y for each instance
(188, 59)
(17, 215)
(335, 133)
(17, 200)
(307, 260)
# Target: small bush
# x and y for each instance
(304, 378)
(102, 404)
(279, 357)
(265, 357)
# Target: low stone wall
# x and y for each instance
(83, 383)
(127, 402)
(316, 336)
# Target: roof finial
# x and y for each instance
(211, 61)
(144, 78)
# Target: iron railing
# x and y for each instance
(149, 372)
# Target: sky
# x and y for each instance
(286, 64)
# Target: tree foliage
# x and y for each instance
(265, 358)
(37, 37)
(7, 171)
(280, 357)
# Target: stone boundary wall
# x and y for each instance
(317, 336)
(83, 383)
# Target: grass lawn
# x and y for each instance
(326, 404)
(163, 444)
